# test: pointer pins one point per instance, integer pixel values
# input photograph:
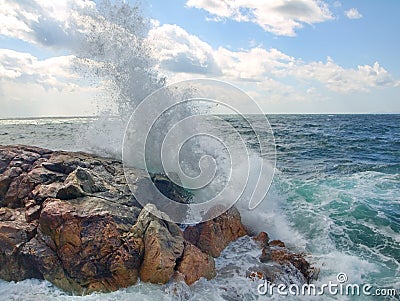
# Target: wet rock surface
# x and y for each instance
(70, 218)
(278, 263)
(212, 236)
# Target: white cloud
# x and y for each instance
(341, 80)
(267, 70)
(44, 22)
(50, 73)
(265, 73)
(178, 51)
(279, 17)
(32, 87)
(353, 13)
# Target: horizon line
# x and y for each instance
(96, 116)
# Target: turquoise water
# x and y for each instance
(335, 196)
(341, 180)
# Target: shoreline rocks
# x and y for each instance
(214, 235)
(276, 258)
(70, 218)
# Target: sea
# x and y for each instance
(335, 196)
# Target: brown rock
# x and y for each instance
(42, 192)
(196, 264)
(90, 248)
(212, 236)
(14, 233)
(277, 243)
(19, 189)
(32, 213)
(63, 162)
(78, 183)
(83, 243)
(40, 175)
(297, 260)
(262, 239)
(6, 157)
(14, 230)
(269, 272)
(44, 262)
(5, 180)
(125, 265)
(163, 243)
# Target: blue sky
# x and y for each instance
(298, 56)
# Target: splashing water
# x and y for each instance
(114, 49)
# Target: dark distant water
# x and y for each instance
(336, 195)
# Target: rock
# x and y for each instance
(63, 162)
(277, 243)
(262, 239)
(125, 265)
(80, 244)
(285, 257)
(278, 264)
(45, 264)
(212, 236)
(266, 254)
(195, 264)
(32, 213)
(19, 188)
(163, 243)
(170, 189)
(15, 231)
(79, 183)
(90, 248)
(161, 252)
(70, 218)
(42, 192)
(271, 273)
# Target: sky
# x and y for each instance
(291, 56)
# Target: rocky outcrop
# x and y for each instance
(70, 218)
(195, 264)
(212, 236)
(277, 260)
(163, 243)
(90, 247)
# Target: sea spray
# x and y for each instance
(114, 55)
(114, 49)
(163, 133)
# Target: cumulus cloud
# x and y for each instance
(353, 13)
(33, 87)
(54, 72)
(44, 22)
(341, 80)
(178, 51)
(278, 17)
(269, 69)
(179, 54)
